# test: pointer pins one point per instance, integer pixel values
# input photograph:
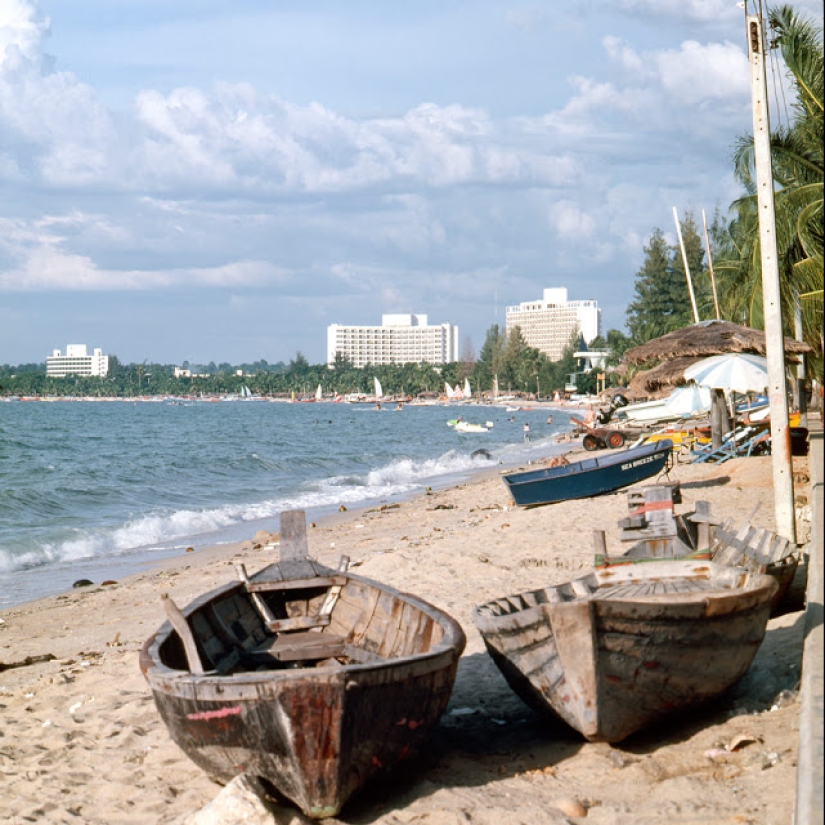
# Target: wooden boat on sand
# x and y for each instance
(659, 533)
(590, 477)
(312, 678)
(614, 651)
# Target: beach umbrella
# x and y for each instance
(738, 372)
(688, 400)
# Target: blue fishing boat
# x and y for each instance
(590, 477)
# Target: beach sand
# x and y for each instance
(81, 740)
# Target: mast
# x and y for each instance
(710, 265)
(687, 268)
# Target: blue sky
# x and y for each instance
(219, 181)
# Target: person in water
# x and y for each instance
(526, 429)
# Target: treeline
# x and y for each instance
(516, 366)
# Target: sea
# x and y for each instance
(99, 490)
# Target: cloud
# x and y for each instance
(697, 10)
(558, 141)
(699, 72)
(569, 222)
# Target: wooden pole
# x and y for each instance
(710, 265)
(785, 514)
(687, 268)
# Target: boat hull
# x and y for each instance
(610, 665)
(316, 733)
(591, 477)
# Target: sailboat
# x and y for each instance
(319, 394)
(379, 392)
(468, 393)
(449, 391)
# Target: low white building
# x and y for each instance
(548, 325)
(77, 361)
(401, 339)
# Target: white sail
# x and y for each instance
(449, 390)
(319, 393)
(468, 393)
(379, 393)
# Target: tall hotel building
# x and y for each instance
(549, 324)
(77, 361)
(400, 339)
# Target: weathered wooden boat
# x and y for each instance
(660, 534)
(312, 678)
(615, 650)
(590, 477)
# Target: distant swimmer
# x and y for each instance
(526, 429)
(549, 419)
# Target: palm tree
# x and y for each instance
(797, 159)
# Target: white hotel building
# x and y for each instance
(549, 324)
(77, 361)
(400, 339)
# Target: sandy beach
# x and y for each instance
(81, 740)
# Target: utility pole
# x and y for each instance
(785, 515)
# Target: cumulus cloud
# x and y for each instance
(569, 222)
(216, 184)
(699, 10)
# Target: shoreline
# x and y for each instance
(114, 567)
(82, 735)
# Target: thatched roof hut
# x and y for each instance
(705, 339)
(670, 355)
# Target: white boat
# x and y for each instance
(379, 392)
(683, 402)
(647, 412)
(468, 427)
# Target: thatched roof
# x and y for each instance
(704, 339)
(662, 379)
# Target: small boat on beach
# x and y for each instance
(659, 533)
(315, 679)
(613, 651)
(590, 477)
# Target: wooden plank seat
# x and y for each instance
(301, 646)
(262, 586)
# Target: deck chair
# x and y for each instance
(728, 449)
(762, 438)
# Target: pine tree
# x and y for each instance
(491, 358)
(662, 301)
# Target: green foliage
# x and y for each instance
(661, 301)
(797, 161)
(490, 362)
